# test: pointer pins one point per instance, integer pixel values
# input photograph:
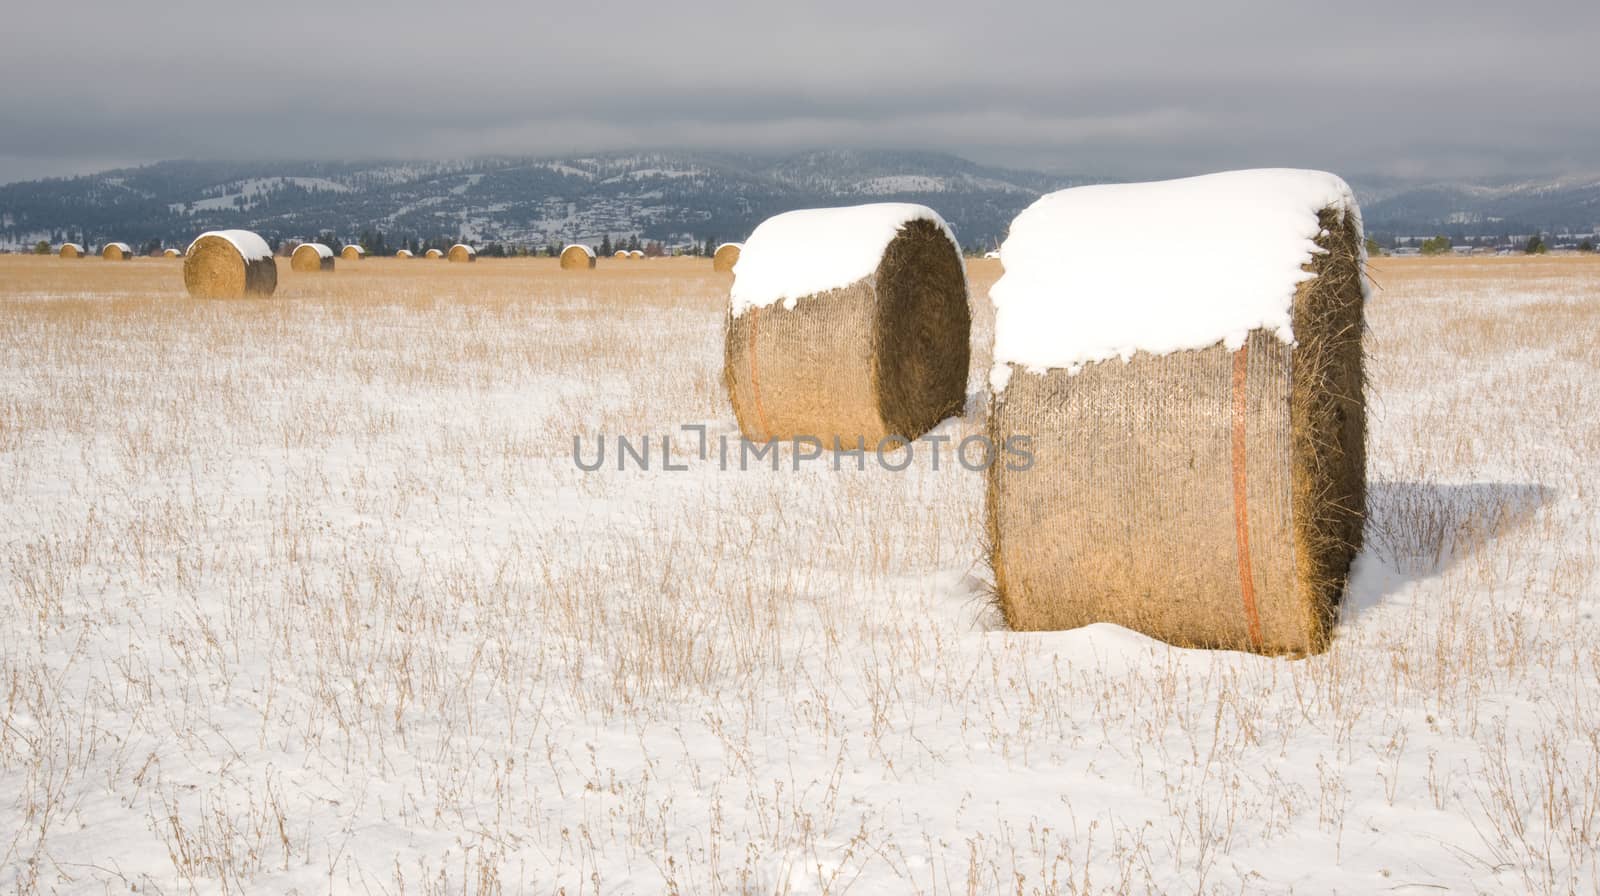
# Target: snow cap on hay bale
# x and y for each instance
(620, 253)
(1197, 418)
(577, 257)
(352, 252)
(71, 250)
(462, 252)
(311, 257)
(433, 253)
(229, 264)
(726, 256)
(171, 252)
(404, 253)
(116, 252)
(848, 324)
(636, 254)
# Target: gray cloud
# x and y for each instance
(1123, 89)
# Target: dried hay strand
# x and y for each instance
(71, 250)
(1211, 498)
(309, 258)
(726, 256)
(461, 252)
(886, 356)
(116, 252)
(433, 254)
(217, 267)
(577, 257)
(352, 252)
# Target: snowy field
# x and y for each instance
(308, 595)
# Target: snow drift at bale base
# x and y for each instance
(1101, 272)
(811, 251)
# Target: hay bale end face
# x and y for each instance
(848, 324)
(620, 253)
(352, 252)
(1197, 427)
(433, 254)
(726, 256)
(404, 253)
(461, 252)
(171, 253)
(229, 264)
(577, 257)
(309, 258)
(71, 250)
(116, 252)
(636, 254)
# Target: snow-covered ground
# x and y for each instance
(309, 595)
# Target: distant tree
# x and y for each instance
(1373, 249)
(653, 249)
(1586, 246)
(1439, 245)
(1535, 245)
(605, 245)
(42, 247)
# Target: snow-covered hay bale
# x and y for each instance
(620, 253)
(1197, 420)
(433, 254)
(726, 256)
(71, 250)
(352, 252)
(848, 323)
(229, 264)
(461, 252)
(577, 257)
(404, 253)
(116, 252)
(170, 252)
(636, 254)
(311, 257)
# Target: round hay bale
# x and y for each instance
(577, 257)
(433, 254)
(311, 257)
(636, 254)
(71, 250)
(849, 324)
(1197, 426)
(352, 252)
(404, 253)
(461, 252)
(171, 252)
(620, 253)
(726, 256)
(229, 264)
(116, 252)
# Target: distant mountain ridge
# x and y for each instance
(674, 197)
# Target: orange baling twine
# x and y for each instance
(1241, 512)
(755, 380)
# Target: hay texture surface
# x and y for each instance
(116, 252)
(71, 250)
(352, 252)
(848, 324)
(726, 256)
(462, 252)
(1197, 422)
(577, 257)
(229, 264)
(310, 258)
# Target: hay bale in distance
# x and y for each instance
(461, 252)
(311, 257)
(404, 253)
(636, 254)
(577, 257)
(726, 256)
(171, 252)
(352, 252)
(433, 254)
(229, 264)
(71, 250)
(621, 254)
(849, 324)
(116, 252)
(1197, 425)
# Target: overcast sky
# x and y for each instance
(1118, 89)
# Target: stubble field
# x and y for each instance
(307, 594)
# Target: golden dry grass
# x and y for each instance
(304, 593)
